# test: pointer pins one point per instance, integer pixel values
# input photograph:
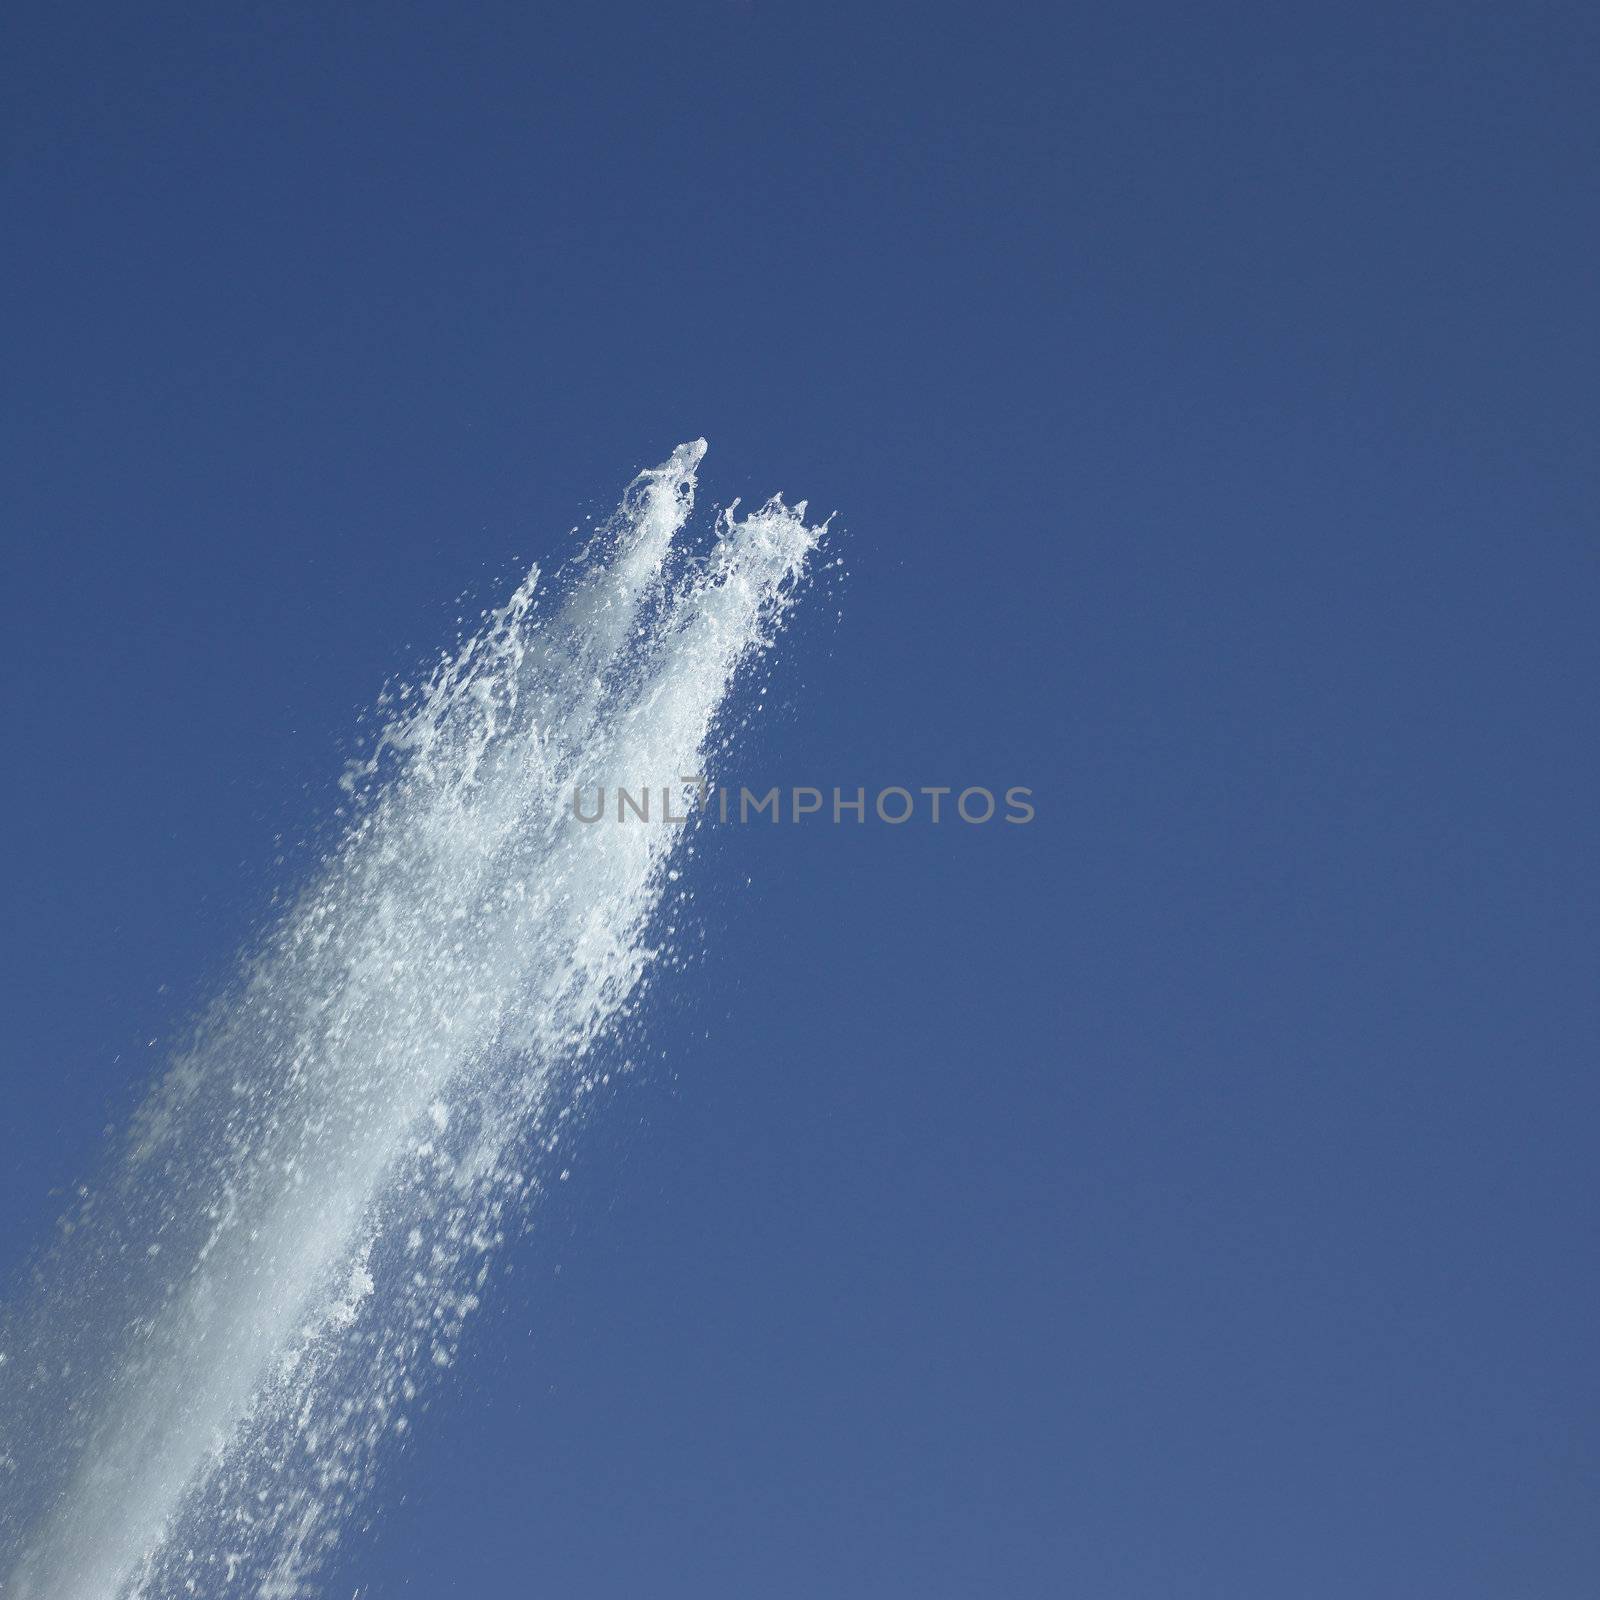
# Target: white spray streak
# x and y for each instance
(308, 1201)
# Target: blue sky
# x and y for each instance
(1191, 1193)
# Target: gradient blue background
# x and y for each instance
(1191, 1194)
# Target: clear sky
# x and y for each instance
(1189, 1194)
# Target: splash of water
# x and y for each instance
(197, 1389)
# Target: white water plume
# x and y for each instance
(198, 1382)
